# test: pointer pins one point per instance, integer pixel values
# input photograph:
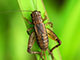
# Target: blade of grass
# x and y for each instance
(30, 5)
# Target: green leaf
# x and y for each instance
(31, 5)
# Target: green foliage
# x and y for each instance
(65, 16)
(31, 6)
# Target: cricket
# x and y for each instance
(41, 34)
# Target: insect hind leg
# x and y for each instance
(51, 54)
(32, 39)
(41, 56)
(53, 36)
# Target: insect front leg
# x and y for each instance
(28, 30)
(49, 23)
(32, 39)
(53, 36)
(45, 17)
(27, 20)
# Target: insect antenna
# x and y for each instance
(25, 11)
(12, 11)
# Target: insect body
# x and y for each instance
(40, 34)
(40, 30)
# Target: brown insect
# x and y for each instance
(41, 34)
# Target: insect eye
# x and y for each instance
(31, 14)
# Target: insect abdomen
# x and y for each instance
(43, 42)
(42, 37)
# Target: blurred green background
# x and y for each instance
(65, 16)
